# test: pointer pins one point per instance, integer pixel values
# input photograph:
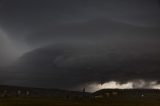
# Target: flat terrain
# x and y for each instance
(80, 102)
(9, 96)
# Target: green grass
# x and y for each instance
(80, 102)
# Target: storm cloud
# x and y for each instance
(71, 43)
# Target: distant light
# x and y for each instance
(129, 85)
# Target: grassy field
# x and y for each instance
(80, 102)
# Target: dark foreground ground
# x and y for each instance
(80, 102)
(24, 96)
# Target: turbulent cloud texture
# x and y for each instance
(74, 43)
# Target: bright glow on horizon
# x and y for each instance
(109, 85)
(114, 85)
(128, 85)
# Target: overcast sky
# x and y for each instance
(71, 44)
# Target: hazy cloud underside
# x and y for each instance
(71, 44)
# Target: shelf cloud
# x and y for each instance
(76, 43)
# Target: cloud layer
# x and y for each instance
(67, 44)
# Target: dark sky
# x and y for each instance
(69, 43)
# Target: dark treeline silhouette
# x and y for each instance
(14, 91)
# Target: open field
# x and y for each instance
(24, 96)
(80, 102)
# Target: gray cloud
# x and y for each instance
(7, 52)
(68, 66)
(67, 43)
